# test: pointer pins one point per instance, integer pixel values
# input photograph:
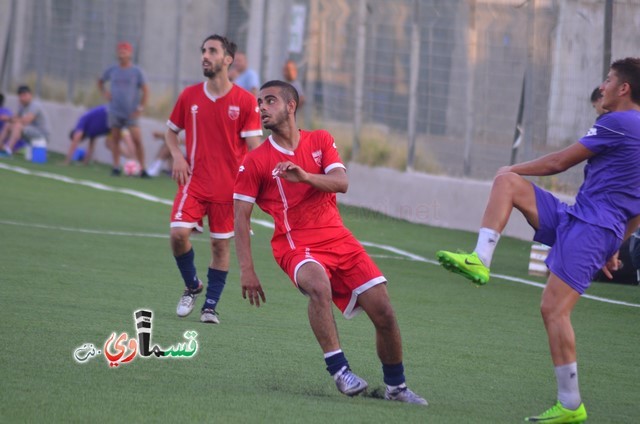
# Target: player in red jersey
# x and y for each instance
(220, 120)
(294, 177)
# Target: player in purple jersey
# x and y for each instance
(92, 124)
(584, 237)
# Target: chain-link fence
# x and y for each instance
(443, 86)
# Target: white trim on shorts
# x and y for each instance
(302, 262)
(192, 225)
(222, 236)
(352, 310)
(244, 198)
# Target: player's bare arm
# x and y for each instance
(143, 101)
(551, 164)
(180, 171)
(105, 93)
(249, 281)
(89, 156)
(335, 181)
(27, 119)
(252, 142)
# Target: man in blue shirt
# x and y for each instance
(584, 237)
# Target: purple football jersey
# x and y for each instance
(610, 193)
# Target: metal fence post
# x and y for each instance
(177, 55)
(608, 25)
(472, 55)
(529, 103)
(358, 93)
(414, 70)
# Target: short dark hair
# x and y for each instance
(24, 89)
(229, 46)
(596, 95)
(289, 92)
(628, 70)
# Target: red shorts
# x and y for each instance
(348, 266)
(188, 212)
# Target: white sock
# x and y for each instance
(155, 168)
(568, 392)
(333, 352)
(487, 242)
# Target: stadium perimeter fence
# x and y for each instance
(442, 86)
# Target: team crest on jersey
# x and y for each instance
(234, 112)
(592, 131)
(194, 108)
(317, 157)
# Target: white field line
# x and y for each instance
(267, 224)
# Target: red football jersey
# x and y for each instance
(303, 215)
(214, 133)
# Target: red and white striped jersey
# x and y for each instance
(215, 129)
(303, 215)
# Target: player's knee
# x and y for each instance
(507, 180)
(179, 240)
(318, 291)
(220, 248)
(549, 311)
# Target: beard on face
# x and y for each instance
(276, 119)
(212, 71)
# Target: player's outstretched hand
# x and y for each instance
(180, 172)
(290, 171)
(251, 288)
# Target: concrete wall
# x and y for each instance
(424, 199)
(427, 199)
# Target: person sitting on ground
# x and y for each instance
(164, 155)
(30, 123)
(5, 114)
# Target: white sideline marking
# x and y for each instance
(261, 222)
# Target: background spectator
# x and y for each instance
(30, 123)
(127, 96)
(245, 77)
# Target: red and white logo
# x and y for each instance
(317, 157)
(234, 112)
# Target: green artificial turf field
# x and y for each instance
(80, 251)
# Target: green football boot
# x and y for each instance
(558, 414)
(466, 264)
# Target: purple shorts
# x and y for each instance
(579, 249)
